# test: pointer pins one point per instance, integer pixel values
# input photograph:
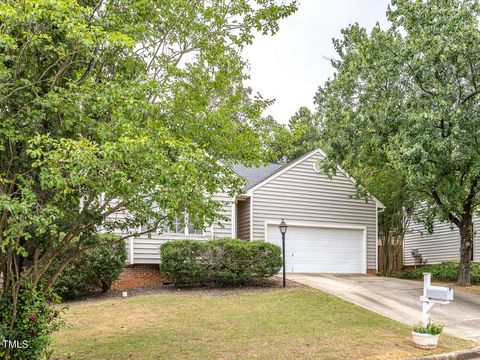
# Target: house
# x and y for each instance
(442, 245)
(329, 231)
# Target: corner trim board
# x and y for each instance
(251, 216)
(234, 218)
(130, 250)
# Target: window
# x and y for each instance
(174, 228)
(177, 228)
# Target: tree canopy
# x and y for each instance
(114, 107)
(301, 135)
(407, 96)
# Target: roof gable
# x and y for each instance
(258, 176)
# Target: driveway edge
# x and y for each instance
(455, 355)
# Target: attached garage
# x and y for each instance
(320, 248)
(330, 230)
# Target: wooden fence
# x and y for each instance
(396, 258)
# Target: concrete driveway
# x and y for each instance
(399, 299)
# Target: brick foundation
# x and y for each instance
(371, 272)
(138, 275)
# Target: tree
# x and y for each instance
(389, 186)
(306, 133)
(277, 140)
(287, 143)
(112, 107)
(408, 96)
(370, 167)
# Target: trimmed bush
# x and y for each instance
(185, 261)
(221, 261)
(96, 269)
(446, 271)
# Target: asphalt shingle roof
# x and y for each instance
(255, 175)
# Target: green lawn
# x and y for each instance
(297, 323)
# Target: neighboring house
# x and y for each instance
(442, 245)
(329, 231)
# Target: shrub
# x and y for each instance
(185, 261)
(433, 328)
(96, 269)
(36, 319)
(446, 271)
(106, 262)
(223, 261)
(240, 261)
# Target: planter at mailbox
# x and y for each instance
(425, 341)
(425, 335)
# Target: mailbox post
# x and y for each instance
(433, 295)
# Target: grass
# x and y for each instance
(297, 323)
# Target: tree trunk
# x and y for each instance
(466, 245)
(105, 286)
(386, 257)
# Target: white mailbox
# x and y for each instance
(433, 295)
(439, 293)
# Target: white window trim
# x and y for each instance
(177, 234)
(130, 250)
(234, 218)
(251, 216)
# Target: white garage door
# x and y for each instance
(319, 249)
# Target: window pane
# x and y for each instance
(193, 231)
(178, 227)
(175, 228)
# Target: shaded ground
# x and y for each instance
(266, 322)
(254, 286)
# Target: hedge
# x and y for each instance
(95, 270)
(222, 261)
(446, 271)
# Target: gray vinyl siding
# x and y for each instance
(223, 228)
(147, 250)
(301, 194)
(120, 216)
(476, 238)
(146, 247)
(243, 219)
(442, 245)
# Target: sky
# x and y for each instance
(290, 66)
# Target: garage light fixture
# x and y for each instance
(283, 230)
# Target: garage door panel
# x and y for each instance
(316, 249)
